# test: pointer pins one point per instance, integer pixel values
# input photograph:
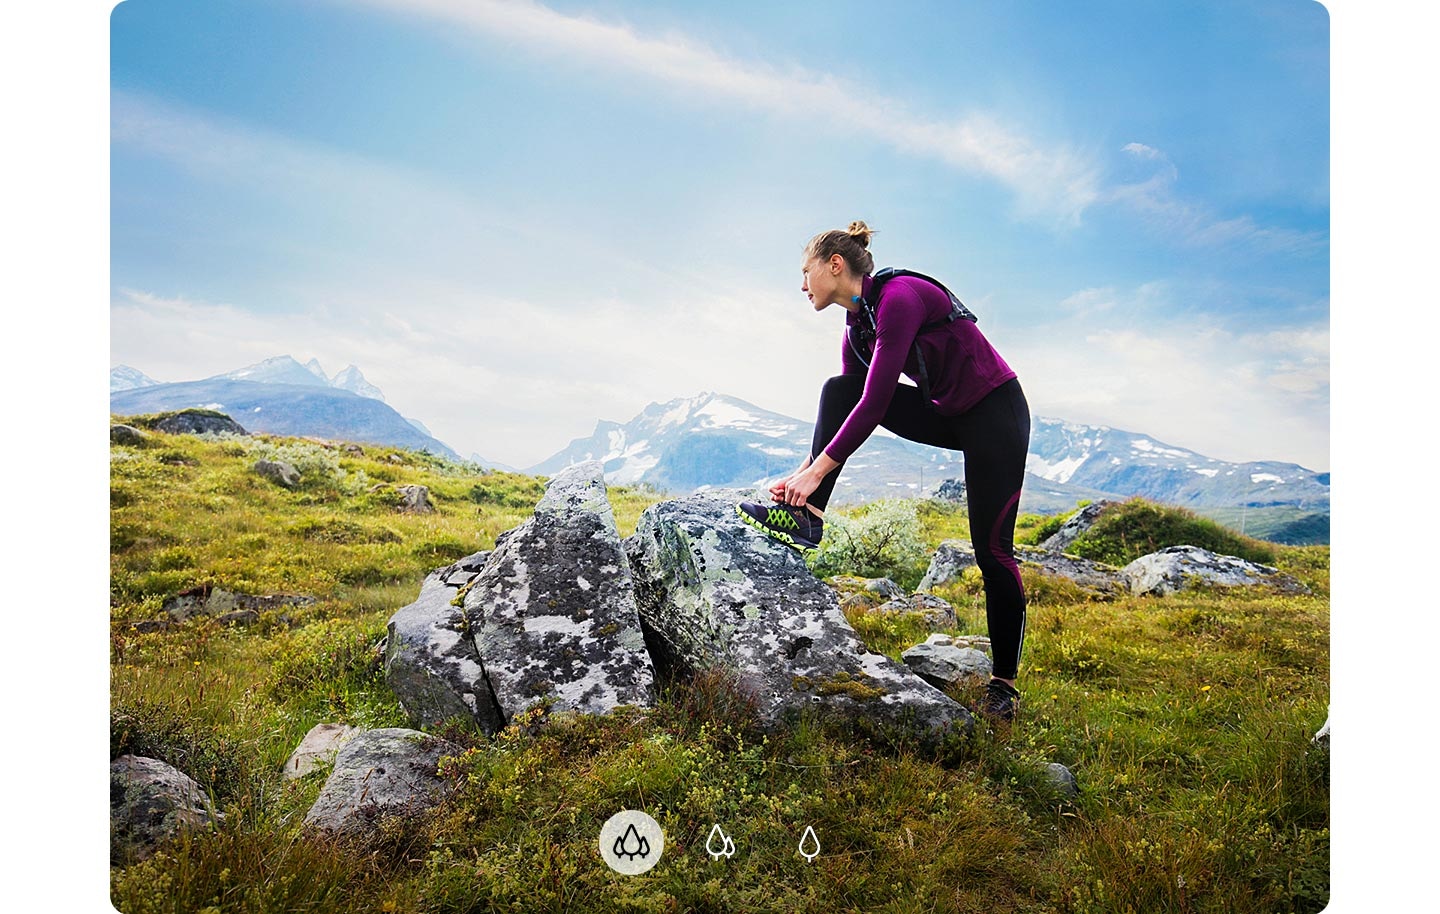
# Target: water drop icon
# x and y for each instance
(809, 844)
(719, 844)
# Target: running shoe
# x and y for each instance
(1000, 701)
(797, 528)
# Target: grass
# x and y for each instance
(1187, 721)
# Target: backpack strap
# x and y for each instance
(958, 312)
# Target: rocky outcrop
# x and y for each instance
(128, 436)
(199, 422)
(1176, 568)
(415, 500)
(279, 472)
(1076, 526)
(714, 593)
(391, 771)
(317, 749)
(954, 556)
(550, 616)
(1096, 577)
(206, 600)
(150, 802)
(948, 563)
(938, 613)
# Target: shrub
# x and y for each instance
(881, 540)
(1126, 531)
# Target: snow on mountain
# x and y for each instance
(720, 441)
(352, 380)
(123, 377)
(281, 369)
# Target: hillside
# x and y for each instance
(1187, 721)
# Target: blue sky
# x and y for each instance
(518, 218)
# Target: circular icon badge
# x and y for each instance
(631, 842)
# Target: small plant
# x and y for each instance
(1126, 531)
(882, 539)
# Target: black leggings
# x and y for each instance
(995, 436)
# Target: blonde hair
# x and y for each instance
(851, 244)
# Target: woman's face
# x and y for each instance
(822, 280)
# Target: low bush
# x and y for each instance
(1126, 531)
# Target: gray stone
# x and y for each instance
(548, 616)
(415, 499)
(946, 664)
(948, 563)
(1063, 780)
(278, 471)
(392, 771)
(318, 748)
(951, 490)
(938, 613)
(884, 588)
(353, 450)
(1177, 567)
(1076, 526)
(215, 601)
(151, 802)
(716, 594)
(127, 435)
(199, 422)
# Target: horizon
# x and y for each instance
(601, 420)
(519, 219)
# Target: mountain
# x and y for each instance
(123, 377)
(283, 369)
(720, 441)
(279, 408)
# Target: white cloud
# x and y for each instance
(1226, 393)
(1050, 183)
(1155, 199)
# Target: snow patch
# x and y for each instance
(1264, 477)
(1210, 474)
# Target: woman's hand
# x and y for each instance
(799, 487)
(777, 491)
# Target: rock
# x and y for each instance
(978, 642)
(431, 663)
(199, 422)
(150, 626)
(945, 664)
(884, 588)
(1177, 567)
(151, 802)
(391, 771)
(1062, 779)
(415, 500)
(353, 450)
(938, 613)
(213, 601)
(319, 746)
(948, 563)
(278, 471)
(127, 435)
(952, 490)
(550, 615)
(1097, 577)
(1077, 525)
(714, 593)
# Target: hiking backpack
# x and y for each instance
(866, 329)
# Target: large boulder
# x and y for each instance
(1074, 527)
(715, 594)
(941, 662)
(549, 616)
(1177, 567)
(199, 422)
(938, 613)
(948, 563)
(279, 472)
(127, 435)
(208, 600)
(392, 771)
(151, 802)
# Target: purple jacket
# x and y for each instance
(962, 365)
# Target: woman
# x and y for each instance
(968, 400)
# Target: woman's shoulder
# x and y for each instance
(911, 292)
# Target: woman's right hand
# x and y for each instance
(777, 491)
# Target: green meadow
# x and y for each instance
(1187, 721)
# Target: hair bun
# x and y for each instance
(860, 232)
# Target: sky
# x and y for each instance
(520, 218)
